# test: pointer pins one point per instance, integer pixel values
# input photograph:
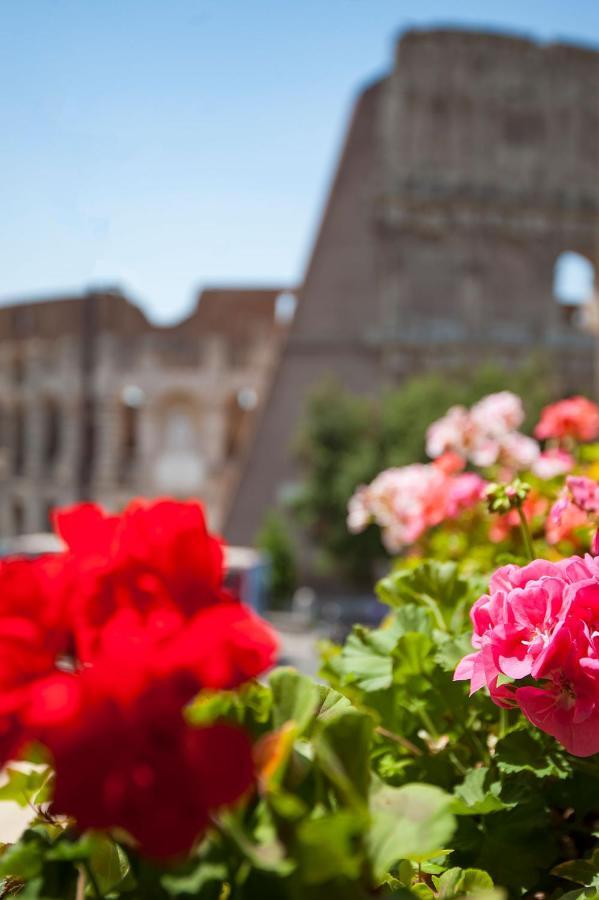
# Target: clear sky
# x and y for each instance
(161, 145)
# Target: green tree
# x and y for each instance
(276, 542)
(344, 440)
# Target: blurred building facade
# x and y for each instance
(467, 171)
(98, 403)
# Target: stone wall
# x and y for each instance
(97, 403)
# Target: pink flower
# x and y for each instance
(450, 462)
(567, 705)
(541, 622)
(578, 501)
(563, 521)
(552, 463)
(465, 491)
(517, 451)
(448, 434)
(486, 434)
(584, 492)
(576, 418)
(407, 501)
(497, 414)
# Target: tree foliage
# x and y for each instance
(344, 440)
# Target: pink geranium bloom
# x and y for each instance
(584, 492)
(450, 462)
(552, 463)
(497, 414)
(485, 434)
(563, 521)
(407, 501)
(518, 451)
(449, 434)
(541, 621)
(567, 706)
(575, 417)
(465, 491)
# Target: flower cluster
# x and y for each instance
(536, 640)
(575, 418)
(576, 507)
(406, 501)
(485, 434)
(101, 648)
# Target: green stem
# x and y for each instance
(526, 536)
(503, 721)
(428, 723)
(92, 880)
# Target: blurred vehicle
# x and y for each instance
(30, 545)
(247, 574)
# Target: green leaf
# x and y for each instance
(25, 859)
(202, 879)
(329, 847)
(476, 796)
(342, 749)
(26, 787)
(411, 822)
(527, 751)
(437, 586)
(331, 703)
(365, 659)
(412, 655)
(295, 698)
(450, 650)
(458, 882)
(581, 871)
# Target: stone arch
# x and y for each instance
(18, 439)
(180, 466)
(129, 408)
(52, 428)
(574, 284)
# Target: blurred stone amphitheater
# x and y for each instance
(98, 403)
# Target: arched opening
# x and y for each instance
(18, 516)
(51, 433)
(18, 440)
(239, 406)
(132, 400)
(573, 284)
(180, 469)
(285, 306)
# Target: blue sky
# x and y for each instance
(161, 145)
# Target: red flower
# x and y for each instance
(33, 634)
(101, 648)
(128, 759)
(157, 557)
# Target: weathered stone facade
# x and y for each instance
(466, 172)
(96, 402)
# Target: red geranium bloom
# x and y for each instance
(33, 634)
(101, 648)
(126, 758)
(157, 557)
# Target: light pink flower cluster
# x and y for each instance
(406, 501)
(553, 462)
(540, 622)
(485, 434)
